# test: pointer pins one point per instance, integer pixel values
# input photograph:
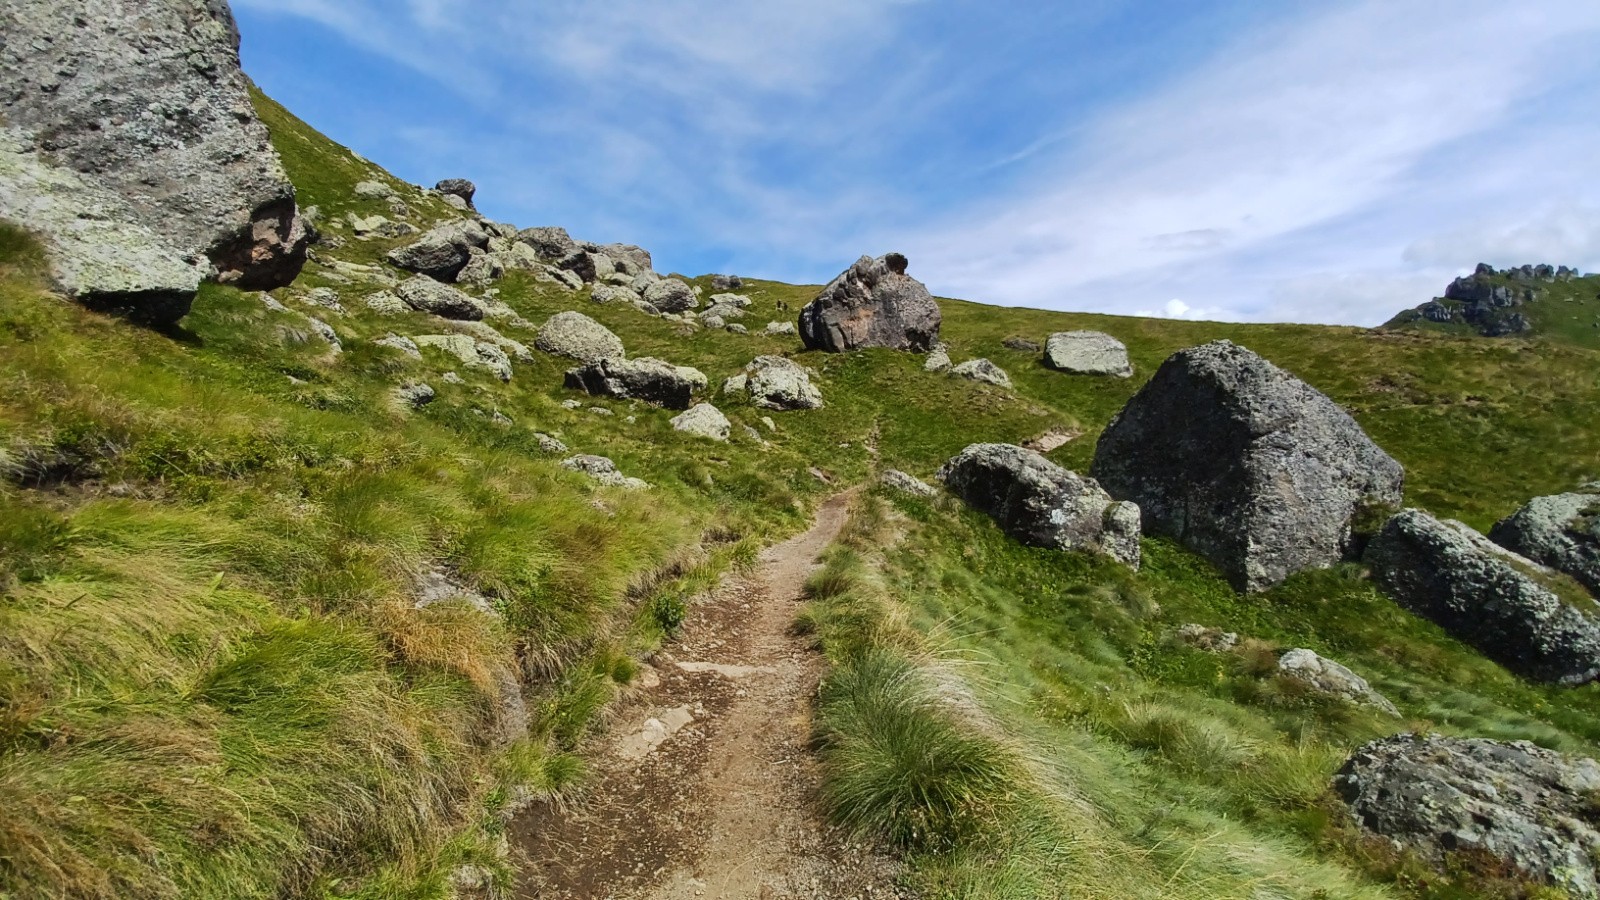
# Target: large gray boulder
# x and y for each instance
(1041, 504)
(1087, 353)
(669, 295)
(1486, 596)
(423, 294)
(575, 335)
(147, 101)
(652, 380)
(442, 251)
(549, 242)
(1562, 532)
(630, 257)
(1528, 808)
(874, 303)
(1244, 464)
(778, 383)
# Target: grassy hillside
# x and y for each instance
(215, 680)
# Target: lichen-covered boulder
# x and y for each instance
(442, 251)
(874, 303)
(652, 380)
(778, 383)
(633, 259)
(472, 353)
(1560, 531)
(1325, 676)
(1041, 504)
(1087, 353)
(423, 294)
(602, 470)
(147, 100)
(576, 336)
(1244, 464)
(704, 420)
(938, 359)
(669, 295)
(1528, 808)
(549, 242)
(982, 370)
(1485, 596)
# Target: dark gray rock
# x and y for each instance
(1438, 312)
(442, 251)
(458, 187)
(1561, 531)
(652, 380)
(147, 99)
(1527, 807)
(1486, 596)
(874, 303)
(589, 265)
(1041, 504)
(1244, 464)
(726, 283)
(423, 294)
(550, 242)
(1022, 344)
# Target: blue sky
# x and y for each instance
(1314, 161)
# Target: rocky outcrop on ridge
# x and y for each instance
(652, 380)
(1485, 596)
(1560, 531)
(442, 251)
(458, 187)
(1244, 464)
(1041, 504)
(146, 102)
(1492, 301)
(1529, 808)
(1087, 353)
(874, 303)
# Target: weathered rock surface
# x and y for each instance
(401, 343)
(938, 359)
(374, 190)
(1244, 464)
(652, 380)
(982, 370)
(458, 187)
(575, 335)
(704, 420)
(1211, 640)
(551, 243)
(1087, 353)
(1561, 531)
(604, 471)
(147, 100)
(471, 352)
(442, 251)
(1041, 504)
(1328, 677)
(778, 383)
(669, 295)
(633, 259)
(908, 484)
(605, 293)
(874, 303)
(1525, 806)
(777, 329)
(423, 294)
(1485, 596)
(414, 395)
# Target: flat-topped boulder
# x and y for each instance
(1560, 531)
(874, 303)
(576, 336)
(1245, 464)
(1087, 353)
(654, 381)
(1529, 809)
(1042, 504)
(423, 294)
(1485, 595)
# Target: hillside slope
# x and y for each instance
(217, 679)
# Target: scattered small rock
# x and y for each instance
(984, 371)
(704, 420)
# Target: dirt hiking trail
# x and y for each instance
(705, 786)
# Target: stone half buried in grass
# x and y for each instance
(1041, 504)
(1529, 809)
(704, 420)
(982, 370)
(1325, 676)
(1244, 464)
(775, 382)
(603, 471)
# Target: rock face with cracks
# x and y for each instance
(1041, 504)
(1485, 596)
(874, 303)
(1244, 464)
(1529, 808)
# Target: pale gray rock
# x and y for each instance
(651, 380)
(1041, 504)
(472, 353)
(423, 294)
(669, 295)
(723, 311)
(1485, 596)
(874, 303)
(736, 384)
(1328, 677)
(629, 257)
(1526, 807)
(704, 420)
(982, 370)
(553, 275)
(907, 484)
(487, 333)
(482, 270)
(549, 242)
(938, 360)
(549, 443)
(374, 190)
(399, 342)
(735, 328)
(778, 383)
(1211, 640)
(712, 322)
(1087, 353)
(386, 303)
(576, 336)
(414, 395)
(605, 293)
(326, 332)
(738, 300)
(1560, 531)
(646, 308)
(327, 298)
(1244, 464)
(778, 329)
(604, 471)
(442, 251)
(147, 100)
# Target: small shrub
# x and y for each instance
(669, 610)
